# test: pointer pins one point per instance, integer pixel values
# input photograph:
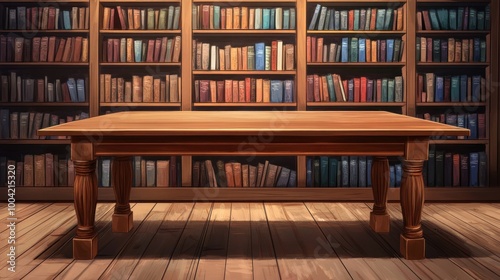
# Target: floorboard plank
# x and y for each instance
(239, 252)
(212, 263)
(22, 210)
(291, 223)
(110, 244)
(430, 268)
(184, 260)
(50, 247)
(265, 265)
(154, 261)
(123, 265)
(355, 245)
(485, 212)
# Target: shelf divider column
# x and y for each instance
(94, 58)
(494, 100)
(300, 48)
(411, 57)
(186, 58)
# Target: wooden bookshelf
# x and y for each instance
(407, 68)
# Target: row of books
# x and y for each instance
(331, 88)
(236, 174)
(456, 18)
(141, 50)
(217, 17)
(45, 18)
(325, 18)
(346, 171)
(24, 125)
(129, 18)
(451, 50)
(446, 169)
(43, 49)
(276, 56)
(475, 122)
(16, 88)
(140, 89)
(456, 88)
(147, 172)
(40, 170)
(247, 90)
(354, 50)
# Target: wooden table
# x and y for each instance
(122, 135)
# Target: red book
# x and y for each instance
(379, 90)
(313, 49)
(447, 88)
(357, 90)
(350, 18)
(429, 49)
(274, 52)
(220, 91)
(157, 50)
(228, 91)
(308, 49)
(205, 17)
(121, 18)
(109, 55)
(116, 50)
(247, 90)
(223, 18)
(383, 50)
(427, 20)
(112, 19)
(51, 22)
(151, 50)
(317, 97)
(363, 88)
(481, 125)
(310, 88)
(65, 92)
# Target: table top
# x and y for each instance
(280, 123)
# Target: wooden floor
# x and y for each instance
(255, 241)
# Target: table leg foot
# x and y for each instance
(84, 248)
(123, 222)
(412, 249)
(380, 223)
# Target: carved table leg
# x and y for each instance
(379, 218)
(412, 243)
(85, 188)
(122, 182)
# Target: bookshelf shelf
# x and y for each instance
(358, 64)
(35, 142)
(140, 64)
(45, 104)
(460, 142)
(55, 64)
(242, 72)
(356, 104)
(451, 104)
(245, 104)
(142, 2)
(452, 1)
(451, 32)
(362, 2)
(139, 104)
(139, 32)
(453, 64)
(45, 31)
(259, 32)
(47, 1)
(242, 2)
(358, 33)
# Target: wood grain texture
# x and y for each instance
(379, 219)
(239, 248)
(305, 123)
(121, 179)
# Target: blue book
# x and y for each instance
(461, 120)
(314, 19)
(452, 19)
(487, 17)
(463, 88)
(345, 50)
(431, 167)
(323, 171)
(439, 89)
(292, 180)
(216, 17)
(434, 19)
(474, 169)
(472, 125)
(353, 171)
(327, 19)
(350, 90)
(72, 90)
(472, 18)
(388, 19)
(272, 21)
(444, 51)
(260, 56)
(66, 20)
(332, 174)
(289, 85)
(369, 162)
(460, 17)
(286, 19)
(331, 90)
(336, 25)
(392, 176)
(4, 124)
(480, 20)
(443, 18)
(266, 18)
(80, 90)
(309, 177)
(362, 172)
(477, 50)
(362, 50)
(138, 50)
(476, 88)
(331, 22)
(345, 171)
(390, 50)
(399, 174)
(356, 19)
(455, 89)
(380, 19)
(276, 91)
(385, 96)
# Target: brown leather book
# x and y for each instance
(244, 58)
(223, 18)
(220, 91)
(373, 19)
(150, 51)
(229, 18)
(121, 17)
(177, 49)
(237, 174)
(241, 91)
(400, 20)
(106, 94)
(60, 50)
(316, 88)
(71, 172)
(350, 18)
(429, 49)
(259, 90)
(156, 56)
(270, 177)
(120, 85)
(74, 18)
(137, 19)
(52, 49)
(429, 82)
(419, 21)
(81, 18)
(162, 173)
(248, 86)
(228, 91)
(244, 17)
(228, 166)
(109, 54)
(245, 175)
(147, 93)
(51, 20)
(128, 91)
(174, 88)
(49, 169)
(234, 58)
(236, 18)
(156, 90)
(77, 53)
(427, 20)
(39, 170)
(308, 49)
(18, 49)
(337, 83)
(465, 50)
(130, 50)
(205, 16)
(130, 16)
(162, 91)
(40, 90)
(451, 49)
(319, 49)
(290, 56)
(28, 171)
(213, 91)
(114, 90)
(235, 91)
(106, 17)
(136, 89)
(44, 47)
(163, 49)
(266, 90)
(458, 51)
(447, 88)
(251, 18)
(314, 49)
(67, 50)
(274, 54)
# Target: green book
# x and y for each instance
(455, 89)
(177, 14)
(452, 19)
(356, 19)
(170, 17)
(216, 17)
(354, 50)
(388, 19)
(480, 20)
(151, 19)
(331, 91)
(251, 58)
(390, 90)
(162, 21)
(442, 15)
(384, 90)
(332, 174)
(380, 19)
(434, 19)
